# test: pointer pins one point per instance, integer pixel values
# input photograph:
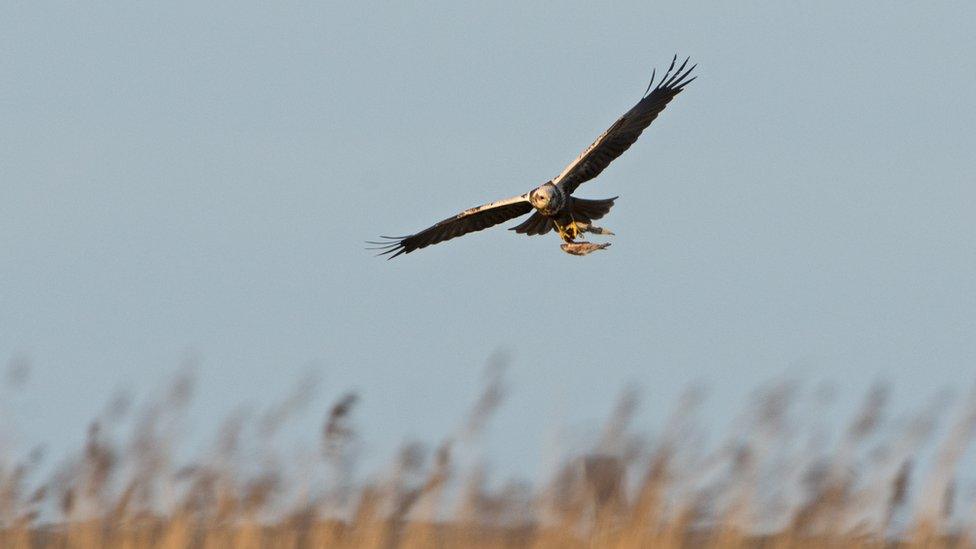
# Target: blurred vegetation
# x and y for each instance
(781, 477)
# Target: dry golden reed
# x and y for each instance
(781, 477)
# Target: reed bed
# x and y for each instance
(781, 477)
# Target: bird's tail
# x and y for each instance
(589, 210)
(535, 224)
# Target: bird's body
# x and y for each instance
(552, 204)
(570, 216)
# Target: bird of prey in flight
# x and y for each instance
(554, 205)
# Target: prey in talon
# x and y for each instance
(552, 204)
(583, 248)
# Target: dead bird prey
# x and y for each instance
(554, 205)
(583, 248)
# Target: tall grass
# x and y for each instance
(780, 478)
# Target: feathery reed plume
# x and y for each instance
(935, 503)
(780, 478)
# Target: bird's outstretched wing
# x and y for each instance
(625, 131)
(468, 221)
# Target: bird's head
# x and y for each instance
(545, 196)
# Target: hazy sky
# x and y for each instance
(187, 179)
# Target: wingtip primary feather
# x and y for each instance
(669, 83)
(677, 80)
(393, 245)
(651, 83)
(671, 79)
(666, 74)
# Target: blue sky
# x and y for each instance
(189, 181)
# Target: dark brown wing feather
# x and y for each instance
(468, 221)
(536, 224)
(625, 131)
